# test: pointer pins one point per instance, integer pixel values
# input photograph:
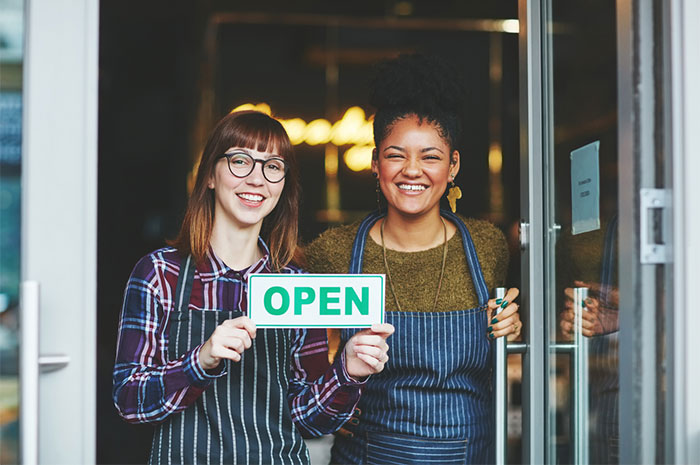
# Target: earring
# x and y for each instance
(379, 192)
(453, 194)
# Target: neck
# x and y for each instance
(236, 246)
(413, 233)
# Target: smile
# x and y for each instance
(251, 197)
(412, 187)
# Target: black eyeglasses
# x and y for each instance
(241, 164)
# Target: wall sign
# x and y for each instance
(585, 189)
(316, 300)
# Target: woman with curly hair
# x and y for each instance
(432, 402)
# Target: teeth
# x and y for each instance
(251, 197)
(411, 187)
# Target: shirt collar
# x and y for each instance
(214, 268)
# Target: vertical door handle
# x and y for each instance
(30, 365)
(29, 372)
(500, 395)
(580, 381)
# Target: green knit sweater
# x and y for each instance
(415, 274)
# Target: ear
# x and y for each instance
(454, 165)
(375, 162)
(210, 183)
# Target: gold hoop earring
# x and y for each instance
(453, 194)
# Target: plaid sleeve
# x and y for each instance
(147, 387)
(322, 397)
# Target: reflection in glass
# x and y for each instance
(11, 31)
(584, 371)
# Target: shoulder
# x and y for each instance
(488, 238)
(161, 262)
(330, 252)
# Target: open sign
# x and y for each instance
(316, 300)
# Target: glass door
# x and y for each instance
(580, 183)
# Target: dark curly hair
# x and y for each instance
(419, 85)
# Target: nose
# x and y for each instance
(256, 178)
(412, 167)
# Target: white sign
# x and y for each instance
(316, 300)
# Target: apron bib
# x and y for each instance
(432, 402)
(243, 417)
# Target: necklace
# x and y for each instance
(442, 268)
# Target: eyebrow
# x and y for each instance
(401, 149)
(248, 151)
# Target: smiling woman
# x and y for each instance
(189, 358)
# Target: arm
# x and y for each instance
(322, 397)
(147, 387)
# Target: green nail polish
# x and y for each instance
(583, 303)
(490, 328)
(494, 321)
(491, 336)
(504, 304)
(498, 301)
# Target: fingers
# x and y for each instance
(242, 322)
(511, 295)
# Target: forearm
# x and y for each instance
(149, 392)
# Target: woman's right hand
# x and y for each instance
(228, 341)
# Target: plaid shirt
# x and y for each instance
(148, 387)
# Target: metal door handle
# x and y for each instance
(500, 386)
(31, 363)
(578, 350)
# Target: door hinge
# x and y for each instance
(655, 226)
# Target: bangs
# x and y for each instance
(257, 131)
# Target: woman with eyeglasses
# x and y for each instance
(190, 361)
(432, 402)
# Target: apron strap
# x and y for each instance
(358, 246)
(608, 266)
(482, 291)
(358, 249)
(185, 279)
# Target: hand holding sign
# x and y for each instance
(228, 341)
(366, 351)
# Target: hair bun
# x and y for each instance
(417, 82)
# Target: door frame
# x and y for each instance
(59, 225)
(642, 286)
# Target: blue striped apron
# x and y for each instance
(432, 402)
(604, 366)
(243, 417)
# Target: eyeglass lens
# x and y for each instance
(241, 165)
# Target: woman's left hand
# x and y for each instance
(366, 351)
(507, 322)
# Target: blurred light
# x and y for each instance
(403, 9)
(495, 158)
(295, 127)
(346, 130)
(352, 129)
(511, 26)
(331, 161)
(318, 132)
(261, 107)
(359, 157)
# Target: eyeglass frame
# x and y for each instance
(262, 162)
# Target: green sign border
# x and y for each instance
(314, 275)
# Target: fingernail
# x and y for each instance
(490, 329)
(583, 303)
(491, 336)
(504, 304)
(494, 321)
(498, 301)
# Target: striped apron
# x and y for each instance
(432, 402)
(243, 417)
(604, 366)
